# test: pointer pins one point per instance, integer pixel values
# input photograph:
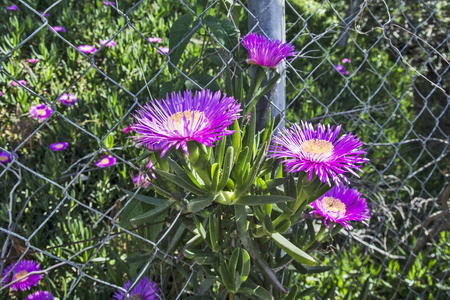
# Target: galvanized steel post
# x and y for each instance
(267, 17)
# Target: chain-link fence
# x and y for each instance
(379, 68)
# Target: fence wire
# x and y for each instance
(393, 92)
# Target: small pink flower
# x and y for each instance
(154, 39)
(87, 49)
(5, 157)
(68, 99)
(141, 179)
(1, 93)
(163, 50)
(40, 112)
(59, 146)
(59, 29)
(109, 3)
(107, 44)
(346, 60)
(22, 82)
(12, 7)
(33, 60)
(47, 15)
(127, 130)
(106, 161)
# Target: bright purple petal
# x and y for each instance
(163, 50)
(59, 29)
(40, 112)
(87, 49)
(12, 7)
(107, 44)
(319, 152)
(68, 99)
(154, 39)
(127, 130)
(106, 161)
(5, 157)
(144, 290)
(341, 69)
(33, 60)
(21, 271)
(342, 205)
(202, 117)
(40, 295)
(266, 52)
(59, 146)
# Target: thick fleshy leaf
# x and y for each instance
(145, 199)
(292, 250)
(262, 200)
(198, 204)
(150, 215)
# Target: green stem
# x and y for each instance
(256, 83)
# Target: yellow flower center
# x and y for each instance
(104, 161)
(316, 146)
(3, 158)
(333, 204)
(20, 274)
(41, 112)
(59, 146)
(176, 121)
(136, 296)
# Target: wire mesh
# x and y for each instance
(395, 96)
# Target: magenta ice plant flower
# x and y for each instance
(87, 49)
(141, 179)
(107, 44)
(127, 130)
(202, 117)
(341, 205)
(47, 15)
(1, 94)
(163, 50)
(266, 52)
(144, 290)
(341, 69)
(59, 146)
(346, 60)
(21, 271)
(5, 157)
(68, 99)
(58, 29)
(154, 39)
(33, 60)
(319, 151)
(19, 82)
(106, 161)
(108, 3)
(40, 112)
(12, 7)
(40, 295)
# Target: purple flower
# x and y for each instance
(202, 117)
(59, 29)
(127, 130)
(106, 161)
(163, 50)
(108, 3)
(154, 39)
(144, 290)
(266, 52)
(141, 179)
(87, 49)
(342, 205)
(1, 93)
(40, 112)
(68, 99)
(107, 44)
(5, 157)
(47, 15)
(33, 60)
(40, 295)
(319, 151)
(59, 146)
(341, 69)
(12, 7)
(346, 60)
(22, 82)
(20, 271)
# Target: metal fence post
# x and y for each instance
(267, 17)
